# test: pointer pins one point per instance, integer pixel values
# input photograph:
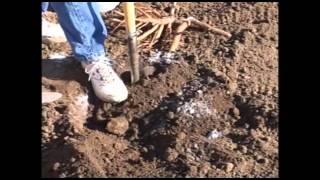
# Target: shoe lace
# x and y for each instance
(100, 70)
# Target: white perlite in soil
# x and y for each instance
(162, 58)
(196, 109)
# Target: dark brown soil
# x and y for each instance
(227, 85)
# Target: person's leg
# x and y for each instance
(44, 6)
(83, 27)
(86, 32)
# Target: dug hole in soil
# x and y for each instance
(224, 85)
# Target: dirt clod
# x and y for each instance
(228, 167)
(171, 154)
(149, 70)
(118, 125)
(181, 135)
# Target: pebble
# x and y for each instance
(56, 166)
(106, 106)
(228, 167)
(73, 140)
(196, 146)
(99, 115)
(235, 112)
(119, 146)
(45, 135)
(171, 154)
(243, 149)
(118, 125)
(45, 129)
(210, 80)
(213, 134)
(144, 150)
(205, 168)
(181, 135)
(170, 115)
(149, 70)
(246, 125)
(55, 137)
(72, 159)
(62, 175)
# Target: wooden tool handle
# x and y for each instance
(130, 17)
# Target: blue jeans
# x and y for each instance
(83, 26)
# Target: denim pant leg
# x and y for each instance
(44, 6)
(83, 27)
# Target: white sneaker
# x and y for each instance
(106, 84)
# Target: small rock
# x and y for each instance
(100, 115)
(232, 86)
(243, 149)
(213, 134)
(70, 133)
(246, 126)
(72, 159)
(193, 170)
(55, 137)
(205, 168)
(144, 150)
(56, 166)
(106, 107)
(45, 129)
(188, 150)
(200, 92)
(119, 146)
(75, 130)
(190, 157)
(151, 147)
(244, 70)
(118, 125)
(171, 154)
(144, 83)
(210, 80)
(45, 135)
(149, 70)
(196, 146)
(73, 140)
(66, 138)
(62, 175)
(259, 121)
(228, 167)
(170, 115)
(80, 169)
(181, 136)
(235, 112)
